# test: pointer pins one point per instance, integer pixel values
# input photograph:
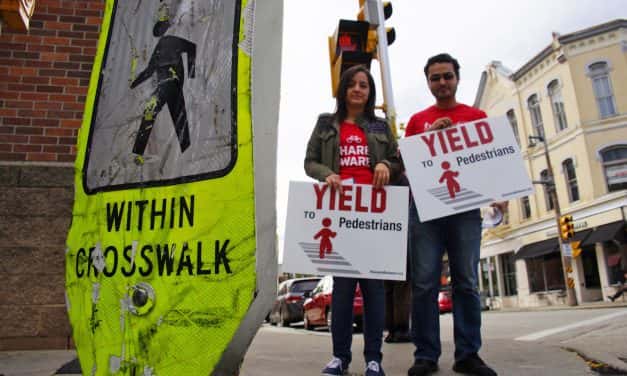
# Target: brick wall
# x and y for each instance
(44, 77)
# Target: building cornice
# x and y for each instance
(569, 38)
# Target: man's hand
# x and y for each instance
(501, 205)
(335, 182)
(441, 123)
(381, 175)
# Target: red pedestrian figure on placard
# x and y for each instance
(325, 236)
(449, 176)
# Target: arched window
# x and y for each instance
(536, 116)
(557, 104)
(571, 180)
(615, 167)
(599, 72)
(514, 124)
(525, 207)
(549, 187)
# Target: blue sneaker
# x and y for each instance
(374, 369)
(335, 368)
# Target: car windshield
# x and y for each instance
(303, 286)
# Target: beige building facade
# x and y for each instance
(570, 100)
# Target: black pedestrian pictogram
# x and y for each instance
(325, 236)
(449, 176)
(167, 62)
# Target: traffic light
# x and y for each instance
(368, 12)
(575, 248)
(348, 47)
(567, 228)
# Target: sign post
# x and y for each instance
(170, 259)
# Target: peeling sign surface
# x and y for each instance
(161, 254)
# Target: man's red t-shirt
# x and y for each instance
(461, 113)
(354, 159)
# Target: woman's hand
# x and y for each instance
(381, 175)
(335, 182)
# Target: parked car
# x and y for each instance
(288, 305)
(445, 300)
(318, 306)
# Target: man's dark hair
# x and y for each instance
(442, 58)
(340, 99)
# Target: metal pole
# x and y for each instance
(384, 63)
(571, 298)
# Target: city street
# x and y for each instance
(539, 342)
(515, 343)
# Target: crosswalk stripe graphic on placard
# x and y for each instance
(463, 199)
(332, 263)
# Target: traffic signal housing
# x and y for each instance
(567, 228)
(348, 46)
(575, 246)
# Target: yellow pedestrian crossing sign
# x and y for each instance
(170, 259)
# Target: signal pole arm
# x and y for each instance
(384, 63)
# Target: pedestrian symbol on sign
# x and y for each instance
(449, 176)
(325, 236)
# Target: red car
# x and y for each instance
(445, 300)
(317, 307)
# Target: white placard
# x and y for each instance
(464, 167)
(361, 233)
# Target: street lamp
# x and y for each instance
(571, 298)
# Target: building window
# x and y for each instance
(545, 273)
(514, 124)
(525, 207)
(599, 72)
(557, 103)
(508, 268)
(549, 188)
(571, 180)
(536, 116)
(615, 167)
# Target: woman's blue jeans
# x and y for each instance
(373, 295)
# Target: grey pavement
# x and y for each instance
(560, 341)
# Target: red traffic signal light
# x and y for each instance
(347, 47)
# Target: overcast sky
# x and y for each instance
(475, 32)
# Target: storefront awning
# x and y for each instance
(547, 246)
(610, 231)
(536, 249)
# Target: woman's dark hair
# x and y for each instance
(442, 58)
(340, 101)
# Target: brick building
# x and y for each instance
(44, 78)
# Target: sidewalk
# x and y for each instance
(279, 351)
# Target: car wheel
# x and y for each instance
(359, 325)
(307, 324)
(282, 321)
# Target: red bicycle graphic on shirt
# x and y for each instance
(325, 236)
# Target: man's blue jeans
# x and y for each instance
(373, 295)
(460, 236)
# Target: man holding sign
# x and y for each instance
(459, 234)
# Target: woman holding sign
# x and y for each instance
(355, 146)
